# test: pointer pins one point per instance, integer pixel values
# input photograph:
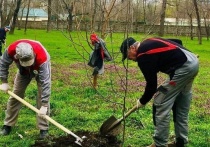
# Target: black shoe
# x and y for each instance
(43, 134)
(5, 130)
(179, 142)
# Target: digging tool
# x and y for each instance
(78, 139)
(112, 126)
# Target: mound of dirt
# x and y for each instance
(90, 140)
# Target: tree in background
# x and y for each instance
(15, 16)
(49, 15)
(205, 7)
(162, 18)
(93, 9)
(189, 11)
(7, 13)
(198, 21)
(69, 8)
(28, 9)
(105, 15)
(3, 12)
(20, 19)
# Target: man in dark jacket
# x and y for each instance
(3, 35)
(155, 55)
(33, 61)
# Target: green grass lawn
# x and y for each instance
(77, 106)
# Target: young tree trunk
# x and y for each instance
(162, 18)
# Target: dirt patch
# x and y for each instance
(91, 140)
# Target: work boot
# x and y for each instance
(153, 145)
(5, 130)
(179, 142)
(43, 134)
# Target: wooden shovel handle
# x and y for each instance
(45, 116)
(117, 122)
(129, 112)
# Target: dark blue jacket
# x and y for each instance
(98, 55)
(2, 35)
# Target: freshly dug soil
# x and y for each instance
(91, 140)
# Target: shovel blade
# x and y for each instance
(106, 125)
(115, 130)
(111, 126)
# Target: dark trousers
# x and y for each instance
(0, 48)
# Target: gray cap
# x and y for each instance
(25, 54)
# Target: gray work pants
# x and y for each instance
(175, 94)
(13, 105)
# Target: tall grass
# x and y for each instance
(77, 106)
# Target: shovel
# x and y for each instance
(78, 139)
(112, 126)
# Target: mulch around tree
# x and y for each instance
(90, 140)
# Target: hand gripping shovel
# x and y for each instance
(112, 126)
(78, 139)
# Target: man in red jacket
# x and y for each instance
(33, 61)
(155, 55)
